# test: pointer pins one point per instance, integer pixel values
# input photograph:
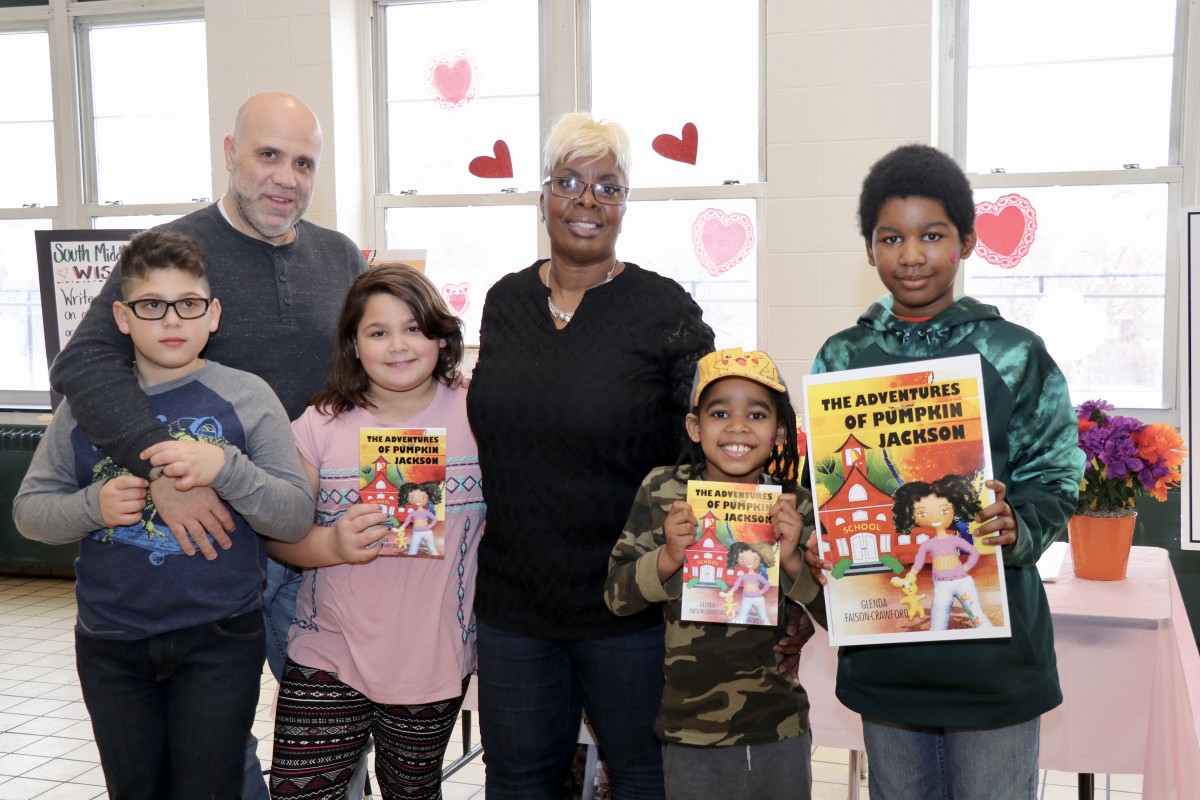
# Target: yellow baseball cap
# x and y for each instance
(735, 363)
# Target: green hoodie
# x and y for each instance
(981, 683)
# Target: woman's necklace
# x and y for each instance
(557, 313)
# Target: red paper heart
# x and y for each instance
(452, 79)
(721, 241)
(1005, 230)
(488, 167)
(677, 149)
(457, 296)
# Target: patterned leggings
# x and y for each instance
(321, 729)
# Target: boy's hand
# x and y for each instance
(679, 531)
(1000, 527)
(358, 533)
(797, 629)
(815, 563)
(786, 522)
(190, 463)
(122, 500)
(191, 514)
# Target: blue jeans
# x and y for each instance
(170, 713)
(906, 763)
(531, 696)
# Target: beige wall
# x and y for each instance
(847, 80)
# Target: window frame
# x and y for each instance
(67, 23)
(564, 85)
(950, 126)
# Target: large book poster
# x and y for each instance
(731, 571)
(403, 471)
(898, 456)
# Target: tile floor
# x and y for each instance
(46, 748)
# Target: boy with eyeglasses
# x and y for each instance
(170, 649)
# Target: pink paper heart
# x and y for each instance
(1005, 230)
(453, 79)
(721, 241)
(678, 149)
(457, 296)
(489, 167)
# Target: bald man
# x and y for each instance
(281, 281)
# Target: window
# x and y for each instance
(1068, 130)
(463, 114)
(92, 145)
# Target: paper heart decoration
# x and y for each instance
(677, 149)
(489, 167)
(1005, 230)
(457, 296)
(453, 79)
(721, 241)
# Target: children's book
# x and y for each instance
(403, 471)
(731, 571)
(897, 459)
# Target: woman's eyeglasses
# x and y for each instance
(610, 194)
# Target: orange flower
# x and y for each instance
(1158, 440)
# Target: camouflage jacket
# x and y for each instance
(722, 682)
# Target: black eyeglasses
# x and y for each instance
(610, 194)
(187, 308)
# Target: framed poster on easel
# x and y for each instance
(72, 267)
(1189, 365)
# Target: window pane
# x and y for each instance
(139, 222)
(466, 250)
(1093, 284)
(150, 102)
(659, 65)
(1074, 91)
(23, 356)
(710, 248)
(27, 120)
(454, 89)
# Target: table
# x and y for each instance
(1130, 675)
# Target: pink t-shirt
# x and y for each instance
(400, 630)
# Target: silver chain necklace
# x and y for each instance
(566, 316)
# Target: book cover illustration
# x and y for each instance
(403, 470)
(731, 571)
(897, 459)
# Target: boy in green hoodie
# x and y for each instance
(961, 719)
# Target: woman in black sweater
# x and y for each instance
(580, 390)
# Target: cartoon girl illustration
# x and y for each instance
(754, 558)
(418, 501)
(934, 508)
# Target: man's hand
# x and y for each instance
(190, 463)
(191, 514)
(798, 629)
(122, 500)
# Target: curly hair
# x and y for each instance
(348, 382)
(152, 250)
(958, 489)
(916, 170)
(432, 490)
(783, 465)
(765, 553)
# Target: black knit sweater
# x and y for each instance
(568, 424)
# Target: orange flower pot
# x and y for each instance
(1100, 546)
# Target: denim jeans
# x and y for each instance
(170, 713)
(906, 763)
(531, 695)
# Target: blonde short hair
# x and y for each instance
(578, 135)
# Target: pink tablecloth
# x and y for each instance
(1130, 675)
